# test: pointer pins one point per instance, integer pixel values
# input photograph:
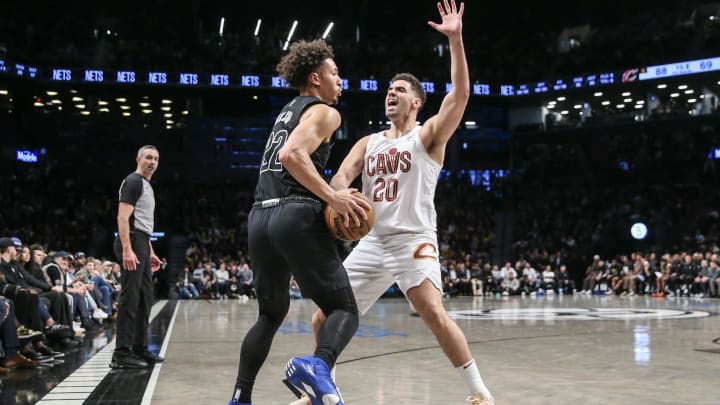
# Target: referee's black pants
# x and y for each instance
(136, 291)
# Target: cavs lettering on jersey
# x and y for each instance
(400, 178)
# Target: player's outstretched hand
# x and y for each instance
(451, 18)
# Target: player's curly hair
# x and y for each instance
(415, 85)
(304, 57)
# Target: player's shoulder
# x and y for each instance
(322, 112)
(365, 139)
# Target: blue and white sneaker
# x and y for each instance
(238, 403)
(312, 376)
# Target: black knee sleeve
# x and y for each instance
(340, 326)
(342, 299)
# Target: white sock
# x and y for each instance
(471, 375)
(332, 373)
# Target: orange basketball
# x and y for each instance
(338, 229)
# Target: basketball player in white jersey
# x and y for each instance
(400, 168)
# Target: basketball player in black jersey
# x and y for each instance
(287, 232)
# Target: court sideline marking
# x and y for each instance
(150, 388)
(77, 387)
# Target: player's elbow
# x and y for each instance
(289, 157)
(285, 155)
(462, 92)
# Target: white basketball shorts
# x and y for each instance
(375, 264)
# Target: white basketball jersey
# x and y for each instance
(399, 177)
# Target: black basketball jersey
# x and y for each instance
(274, 180)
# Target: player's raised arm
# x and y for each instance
(439, 128)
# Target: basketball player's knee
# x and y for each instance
(342, 299)
(274, 313)
(431, 313)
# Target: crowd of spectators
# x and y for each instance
(572, 194)
(682, 274)
(50, 301)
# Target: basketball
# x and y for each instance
(338, 229)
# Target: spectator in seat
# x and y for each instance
(32, 309)
(702, 281)
(714, 278)
(548, 279)
(463, 278)
(511, 285)
(208, 280)
(477, 275)
(222, 281)
(494, 281)
(565, 282)
(185, 286)
(294, 288)
(529, 282)
(60, 274)
(246, 281)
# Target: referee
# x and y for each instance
(136, 213)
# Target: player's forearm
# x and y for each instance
(340, 181)
(459, 75)
(299, 165)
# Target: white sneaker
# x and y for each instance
(99, 314)
(304, 400)
(477, 399)
(79, 330)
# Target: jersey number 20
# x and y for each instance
(385, 189)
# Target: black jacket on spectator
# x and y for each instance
(36, 271)
(15, 274)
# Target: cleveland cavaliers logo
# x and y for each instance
(426, 251)
(388, 163)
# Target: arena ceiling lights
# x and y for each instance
(89, 104)
(619, 99)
